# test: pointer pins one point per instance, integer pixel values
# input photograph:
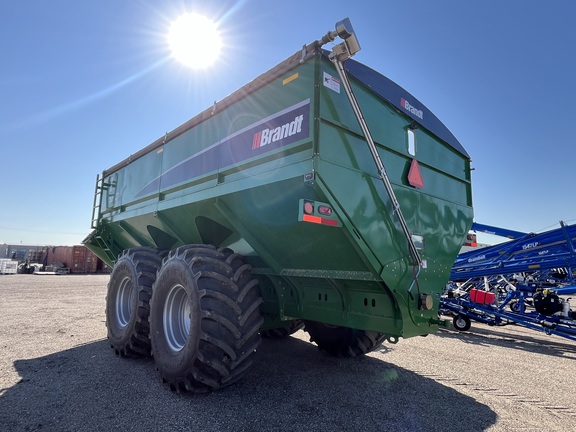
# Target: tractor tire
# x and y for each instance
(204, 318)
(128, 301)
(343, 341)
(283, 332)
(461, 323)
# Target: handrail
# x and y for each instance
(96, 206)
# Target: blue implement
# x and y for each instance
(524, 281)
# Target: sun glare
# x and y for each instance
(194, 40)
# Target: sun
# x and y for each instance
(194, 40)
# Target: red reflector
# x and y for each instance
(325, 210)
(331, 222)
(414, 175)
(313, 219)
(319, 220)
(308, 208)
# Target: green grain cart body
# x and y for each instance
(280, 172)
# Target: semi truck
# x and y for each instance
(321, 195)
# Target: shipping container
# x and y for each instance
(77, 258)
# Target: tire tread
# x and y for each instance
(230, 319)
(145, 261)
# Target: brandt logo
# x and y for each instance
(478, 258)
(271, 135)
(406, 105)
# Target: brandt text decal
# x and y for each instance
(278, 130)
(411, 109)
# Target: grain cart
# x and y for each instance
(273, 209)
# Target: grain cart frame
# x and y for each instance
(273, 208)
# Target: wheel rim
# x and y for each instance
(177, 318)
(124, 302)
(460, 322)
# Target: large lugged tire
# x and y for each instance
(128, 298)
(343, 341)
(283, 332)
(204, 318)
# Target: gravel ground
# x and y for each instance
(57, 373)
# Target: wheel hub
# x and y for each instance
(176, 317)
(124, 302)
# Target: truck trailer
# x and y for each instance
(321, 195)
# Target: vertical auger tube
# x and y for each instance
(339, 54)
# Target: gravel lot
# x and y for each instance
(57, 373)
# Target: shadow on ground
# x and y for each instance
(292, 387)
(540, 343)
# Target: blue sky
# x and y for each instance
(85, 84)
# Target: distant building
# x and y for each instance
(77, 258)
(23, 253)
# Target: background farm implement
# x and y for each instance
(525, 281)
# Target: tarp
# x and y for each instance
(403, 100)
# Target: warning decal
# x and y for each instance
(331, 82)
(415, 176)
